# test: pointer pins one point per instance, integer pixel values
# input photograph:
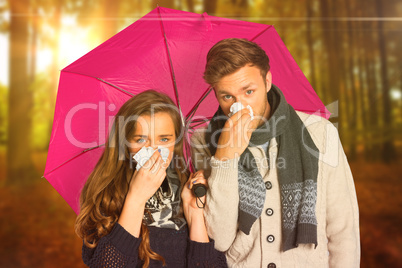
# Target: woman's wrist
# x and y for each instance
(192, 214)
(134, 197)
(132, 214)
(196, 218)
(197, 228)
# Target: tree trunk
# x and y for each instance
(56, 21)
(243, 4)
(55, 72)
(190, 5)
(163, 3)
(332, 46)
(352, 106)
(310, 44)
(364, 86)
(110, 18)
(323, 77)
(19, 163)
(330, 41)
(388, 150)
(369, 49)
(210, 6)
(33, 44)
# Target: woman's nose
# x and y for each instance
(152, 144)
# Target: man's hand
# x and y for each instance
(235, 136)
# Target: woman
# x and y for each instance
(134, 218)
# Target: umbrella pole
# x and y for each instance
(171, 69)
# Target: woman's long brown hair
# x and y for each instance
(102, 197)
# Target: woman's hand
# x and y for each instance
(146, 181)
(194, 213)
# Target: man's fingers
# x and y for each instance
(245, 118)
(236, 117)
(240, 119)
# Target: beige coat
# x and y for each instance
(336, 209)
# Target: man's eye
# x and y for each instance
(227, 97)
(249, 92)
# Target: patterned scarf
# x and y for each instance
(297, 178)
(163, 208)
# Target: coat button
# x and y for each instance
(270, 238)
(271, 265)
(269, 211)
(268, 185)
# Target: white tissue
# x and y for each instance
(237, 106)
(143, 155)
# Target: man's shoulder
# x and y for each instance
(199, 148)
(318, 119)
(198, 135)
(318, 126)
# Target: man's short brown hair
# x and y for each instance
(229, 55)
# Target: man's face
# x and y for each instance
(246, 86)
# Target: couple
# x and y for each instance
(280, 191)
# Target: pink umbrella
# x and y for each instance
(164, 50)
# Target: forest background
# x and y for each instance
(350, 51)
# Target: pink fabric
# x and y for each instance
(136, 59)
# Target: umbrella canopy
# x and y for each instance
(165, 50)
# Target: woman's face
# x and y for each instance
(153, 131)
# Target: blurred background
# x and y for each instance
(350, 51)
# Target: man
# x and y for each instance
(281, 193)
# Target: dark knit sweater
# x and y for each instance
(120, 249)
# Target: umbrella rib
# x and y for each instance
(171, 67)
(194, 109)
(125, 91)
(201, 120)
(260, 33)
(198, 123)
(72, 158)
(187, 149)
(100, 79)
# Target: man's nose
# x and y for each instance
(242, 101)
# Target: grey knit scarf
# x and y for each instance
(297, 177)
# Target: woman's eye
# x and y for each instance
(227, 97)
(141, 140)
(249, 92)
(164, 140)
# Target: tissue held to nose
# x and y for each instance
(237, 106)
(143, 155)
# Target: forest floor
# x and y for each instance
(37, 225)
